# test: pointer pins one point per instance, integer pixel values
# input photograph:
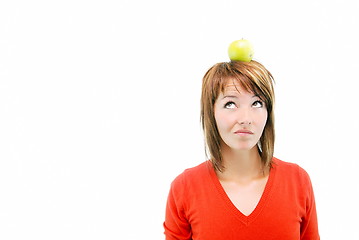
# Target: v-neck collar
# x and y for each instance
(232, 208)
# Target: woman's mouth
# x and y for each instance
(243, 132)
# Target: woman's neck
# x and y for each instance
(241, 166)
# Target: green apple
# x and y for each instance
(240, 50)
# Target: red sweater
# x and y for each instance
(199, 208)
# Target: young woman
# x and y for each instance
(242, 192)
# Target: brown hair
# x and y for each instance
(253, 77)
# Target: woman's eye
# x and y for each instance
(230, 105)
(258, 104)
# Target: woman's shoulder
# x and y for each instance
(290, 169)
(193, 175)
(196, 171)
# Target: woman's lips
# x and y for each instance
(243, 132)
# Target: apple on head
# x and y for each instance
(240, 50)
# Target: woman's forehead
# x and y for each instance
(235, 86)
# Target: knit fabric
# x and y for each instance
(198, 208)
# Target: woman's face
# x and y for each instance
(240, 116)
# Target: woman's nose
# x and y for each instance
(244, 117)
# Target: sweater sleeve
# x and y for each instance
(176, 224)
(309, 225)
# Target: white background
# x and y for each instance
(99, 107)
